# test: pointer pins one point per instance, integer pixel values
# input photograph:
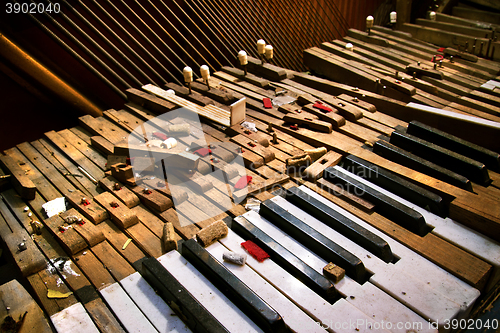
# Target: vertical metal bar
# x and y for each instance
(137, 42)
(99, 47)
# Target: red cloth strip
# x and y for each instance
(255, 251)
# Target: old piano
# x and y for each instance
(344, 177)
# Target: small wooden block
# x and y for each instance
(356, 101)
(215, 94)
(331, 117)
(310, 121)
(315, 170)
(92, 211)
(19, 301)
(349, 111)
(90, 233)
(148, 101)
(121, 214)
(256, 136)
(69, 238)
(152, 199)
(248, 144)
(123, 173)
(240, 74)
(115, 159)
(399, 85)
(333, 272)
(212, 233)
(21, 182)
(424, 71)
(112, 185)
(169, 242)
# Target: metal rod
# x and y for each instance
(137, 30)
(115, 35)
(99, 47)
(184, 64)
(194, 36)
(112, 18)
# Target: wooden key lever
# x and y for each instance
(424, 71)
(310, 122)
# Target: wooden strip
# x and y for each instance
(346, 196)
(119, 213)
(265, 153)
(23, 185)
(89, 232)
(126, 196)
(113, 261)
(132, 253)
(19, 301)
(65, 166)
(70, 240)
(44, 187)
(104, 128)
(152, 199)
(148, 101)
(75, 155)
(315, 170)
(101, 144)
(255, 80)
(84, 147)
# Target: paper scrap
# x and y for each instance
(126, 243)
(57, 294)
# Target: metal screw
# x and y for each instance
(435, 66)
(21, 246)
(356, 99)
(451, 59)
(440, 63)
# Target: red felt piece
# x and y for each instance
(267, 103)
(243, 182)
(203, 152)
(255, 251)
(437, 57)
(322, 107)
(294, 127)
(441, 49)
(160, 135)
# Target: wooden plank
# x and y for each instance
(101, 144)
(265, 70)
(148, 101)
(102, 127)
(92, 210)
(152, 198)
(23, 185)
(44, 187)
(315, 170)
(65, 166)
(70, 240)
(119, 213)
(240, 74)
(126, 196)
(87, 230)
(115, 263)
(75, 155)
(30, 260)
(84, 147)
(132, 253)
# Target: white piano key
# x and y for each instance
(320, 310)
(152, 305)
(294, 318)
(125, 309)
(372, 301)
(73, 319)
(465, 238)
(207, 294)
(416, 265)
(412, 292)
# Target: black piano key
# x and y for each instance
(403, 215)
(287, 260)
(313, 240)
(239, 293)
(490, 158)
(396, 184)
(194, 315)
(473, 170)
(340, 223)
(412, 161)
